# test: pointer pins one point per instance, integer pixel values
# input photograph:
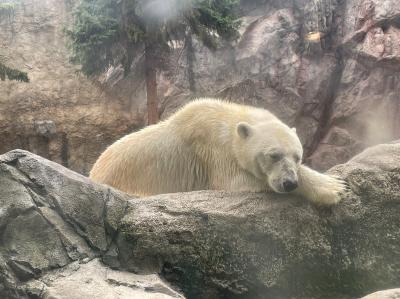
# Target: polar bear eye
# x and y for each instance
(275, 157)
(296, 158)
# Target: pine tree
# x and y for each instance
(108, 32)
(7, 10)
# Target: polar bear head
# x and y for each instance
(271, 151)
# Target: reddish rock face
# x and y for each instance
(367, 101)
(341, 92)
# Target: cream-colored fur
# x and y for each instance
(212, 144)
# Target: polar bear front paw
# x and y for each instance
(321, 189)
(330, 190)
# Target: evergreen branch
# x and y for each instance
(12, 74)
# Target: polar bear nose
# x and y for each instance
(289, 185)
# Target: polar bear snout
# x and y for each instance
(283, 180)
(289, 185)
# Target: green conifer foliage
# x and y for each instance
(12, 74)
(111, 32)
(7, 10)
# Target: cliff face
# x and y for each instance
(342, 92)
(60, 114)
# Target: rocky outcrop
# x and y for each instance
(366, 104)
(56, 226)
(341, 92)
(53, 232)
(93, 280)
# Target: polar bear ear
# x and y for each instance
(244, 130)
(294, 130)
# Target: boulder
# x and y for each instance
(53, 233)
(61, 235)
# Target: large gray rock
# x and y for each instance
(53, 229)
(207, 244)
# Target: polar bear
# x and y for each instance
(218, 145)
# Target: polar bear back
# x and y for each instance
(191, 150)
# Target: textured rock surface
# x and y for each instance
(341, 93)
(367, 102)
(60, 114)
(52, 229)
(93, 280)
(55, 224)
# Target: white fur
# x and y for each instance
(199, 148)
(319, 188)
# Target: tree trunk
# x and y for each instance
(151, 85)
(190, 57)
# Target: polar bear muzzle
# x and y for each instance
(289, 185)
(282, 177)
(284, 183)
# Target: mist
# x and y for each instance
(165, 10)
